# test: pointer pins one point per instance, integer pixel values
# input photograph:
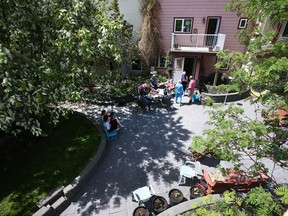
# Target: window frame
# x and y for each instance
(283, 27)
(240, 26)
(158, 61)
(183, 22)
(138, 64)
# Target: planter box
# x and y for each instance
(220, 98)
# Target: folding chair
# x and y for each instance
(189, 170)
(143, 194)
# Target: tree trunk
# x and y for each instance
(215, 78)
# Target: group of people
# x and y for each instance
(170, 88)
(145, 90)
(180, 88)
(111, 122)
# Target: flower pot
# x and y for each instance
(196, 191)
(141, 211)
(159, 204)
(175, 196)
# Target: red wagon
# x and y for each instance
(214, 183)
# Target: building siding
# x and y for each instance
(198, 10)
(171, 9)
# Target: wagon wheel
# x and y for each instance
(196, 191)
(196, 156)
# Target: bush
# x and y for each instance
(207, 101)
(223, 89)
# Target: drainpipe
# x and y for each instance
(172, 42)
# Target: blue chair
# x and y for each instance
(110, 135)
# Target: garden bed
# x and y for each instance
(220, 98)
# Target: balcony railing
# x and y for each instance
(198, 42)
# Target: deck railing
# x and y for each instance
(186, 41)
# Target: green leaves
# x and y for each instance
(282, 191)
(234, 135)
(48, 50)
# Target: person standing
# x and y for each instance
(179, 92)
(184, 81)
(153, 80)
(191, 87)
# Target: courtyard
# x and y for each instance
(150, 150)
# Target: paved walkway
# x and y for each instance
(149, 150)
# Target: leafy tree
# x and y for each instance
(150, 42)
(264, 66)
(49, 49)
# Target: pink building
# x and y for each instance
(194, 31)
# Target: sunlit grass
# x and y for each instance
(27, 176)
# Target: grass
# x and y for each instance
(46, 163)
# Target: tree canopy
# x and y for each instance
(48, 50)
(264, 66)
(234, 136)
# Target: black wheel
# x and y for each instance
(196, 191)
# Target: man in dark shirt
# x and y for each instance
(153, 80)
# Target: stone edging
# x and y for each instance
(56, 202)
(220, 98)
(186, 206)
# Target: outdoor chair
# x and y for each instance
(143, 194)
(110, 135)
(189, 170)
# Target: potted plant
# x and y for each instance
(210, 48)
(196, 191)
(175, 196)
(159, 204)
(141, 211)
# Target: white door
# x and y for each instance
(178, 68)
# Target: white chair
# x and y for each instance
(143, 194)
(189, 170)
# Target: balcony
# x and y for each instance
(201, 43)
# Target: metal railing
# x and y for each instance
(180, 41)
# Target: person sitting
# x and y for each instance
(111, 117)
(144, 101)
(109, 125)
(170, 86)
(165, 99)
(144, 88)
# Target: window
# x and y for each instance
(136, 65)
(183, 25)
(283, 34)
(160, 62)
(242, 23)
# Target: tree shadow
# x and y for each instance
(149, 150)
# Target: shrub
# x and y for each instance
(223, 89)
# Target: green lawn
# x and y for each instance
(28, 175)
